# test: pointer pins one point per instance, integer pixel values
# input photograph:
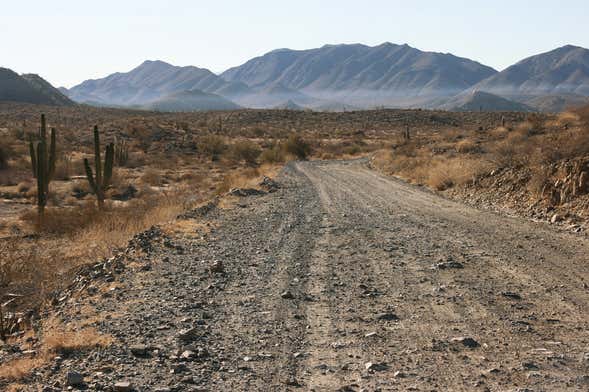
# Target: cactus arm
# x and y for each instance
(90, 176)
(41, 178)
(52, 156)
(97, 162)
(33, 159)
(108, 164)
(43, 131)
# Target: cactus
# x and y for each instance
(100, 182)
(121, 153)
(43, 164)
(407, 134)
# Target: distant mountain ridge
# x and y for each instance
(388, 72)
(151, 81)
(341, 77)
(30, 88)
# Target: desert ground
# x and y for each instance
(298, 250)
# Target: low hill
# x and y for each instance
(189, 101)
(483, 101)
(29, 88)
(556, 102)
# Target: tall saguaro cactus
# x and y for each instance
(43, 164)
(101, 180)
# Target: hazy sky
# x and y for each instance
(68, 41)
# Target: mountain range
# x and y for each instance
(333, 77)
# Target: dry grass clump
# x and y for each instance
(56, 339)
(152, 177)
(62, 341)
(246, 178)
(467, 146)
(437, 172)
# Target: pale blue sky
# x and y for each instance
(68, 41)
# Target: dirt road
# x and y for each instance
(346, 280)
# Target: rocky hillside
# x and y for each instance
(29, 89)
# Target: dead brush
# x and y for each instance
(244, 150)
(467, 146)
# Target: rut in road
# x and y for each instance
(344, 279)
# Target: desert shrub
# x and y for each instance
(245, 178)
(212, 146)
(63, 168)
(467, 146)
(245, 151)
(4, 155)
(152, 177)
(274, 154)
(297, 146)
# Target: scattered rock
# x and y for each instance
(465, 341)
(187, 335)
(269, 184)
(511, 295)
(287, 295)
(74, 379)
(449, 265)
(388, 317)
(217, 267)
(123, 386)
(375, 367)
(140, 350)
(556, 218)
(245, 192)
(188, 354)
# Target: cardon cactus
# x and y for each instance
(43, 163)
(101, 180)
